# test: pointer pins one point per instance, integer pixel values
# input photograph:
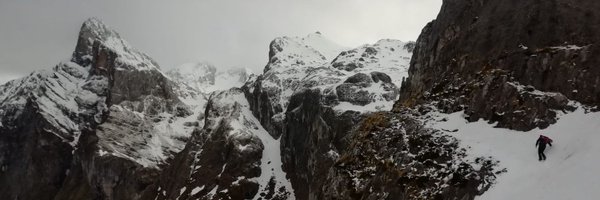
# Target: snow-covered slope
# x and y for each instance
(244, 124)
(206, 78)
(387, 55)
(323, 45)
(66, 96)
(230, 78)
(312, 50)
(234, 150)
(196, 75)
(568, 172)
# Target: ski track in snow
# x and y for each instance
(568, 173)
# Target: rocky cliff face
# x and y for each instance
(296, 64)
(96, 127)
(279, 135)
(481, 53)
(299, 68)
(232, 157)
(143, 125)
(317, 107)
(393, 156)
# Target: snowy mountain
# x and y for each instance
(122, 129)
(205, 78)
(297, 65)
(116, 121)
(75, 92)
(320, 108)
(321, 121)
(108, 112)
(197, 76)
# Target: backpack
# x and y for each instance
(547, 139)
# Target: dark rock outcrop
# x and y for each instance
(357, 88)
(104, 177)
(392, 156)
(349, 155)
(264, 104)
(477, 53)
(32, 157)
(314, 136)
(378, 76)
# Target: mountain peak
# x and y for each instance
(94, 23)
(311, 50)
(94, 28)
(93, 31)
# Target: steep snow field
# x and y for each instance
(570, 171)
(323, 45)
(271, 164)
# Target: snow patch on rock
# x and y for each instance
(65, 96)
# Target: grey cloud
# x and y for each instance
(37, 34)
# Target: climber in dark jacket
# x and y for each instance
(541, 144)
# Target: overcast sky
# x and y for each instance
(37, 34)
